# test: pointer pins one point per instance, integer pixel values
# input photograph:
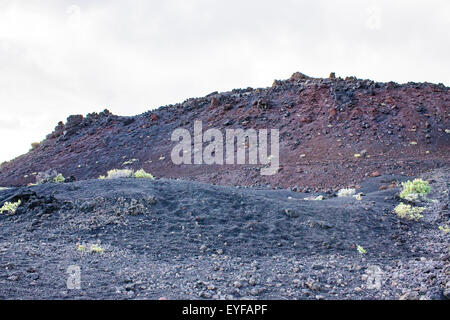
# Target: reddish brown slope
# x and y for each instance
(322, 122)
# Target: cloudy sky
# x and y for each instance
(61, 57)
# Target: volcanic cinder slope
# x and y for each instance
(323, 123)
(168, 238)
(189, 240)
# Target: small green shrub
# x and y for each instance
(10, 207)
(97, 249)
(81, 247)
(94, 248)
(318, 198)
(361, 250)
(358, 196)
(59, 178)
(406, 211)
(445, 229)
(346, 193)
(119, 173)
(418, 186)
(49, 176)
(127, 173)
(141, 174)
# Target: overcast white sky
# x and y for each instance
(61, 57)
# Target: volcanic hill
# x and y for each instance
(334, 132)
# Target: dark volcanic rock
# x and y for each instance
(147, 239)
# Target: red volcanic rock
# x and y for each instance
(306, 119)
(332, 112)
(214, 103)
(323, 124)
(375, 174)
(299, 76)
(227, 107)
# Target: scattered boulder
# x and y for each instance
(291, 213)
(375, 174)
(446, 291)
(73, 124)
(299, 76)
(128, 120)
(262, 104)
(227, 107)
(214, 103)
(306, 119)
(410, 295)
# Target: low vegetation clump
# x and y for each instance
(346, 193)
(406, 211)
(50, 176)
(445, 229)
(361, 250)
(59, 178)
(3, 188)
(413, 189)
(358, 196)
(318, 198)
(141, 174)
(94, 248)
(129, 162)
(35, 145)
(10, 207)
(127, 173)
(97, 249)
(117, 174)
